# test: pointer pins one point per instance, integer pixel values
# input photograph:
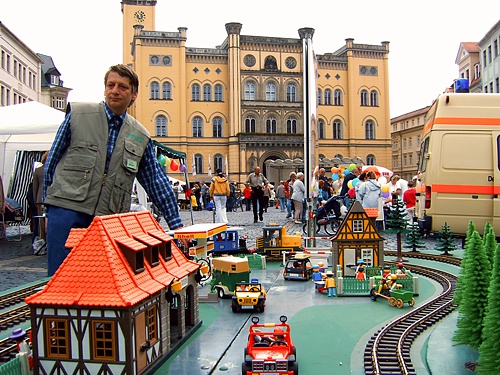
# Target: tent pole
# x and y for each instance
(186, 176)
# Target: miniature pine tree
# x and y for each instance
(413, 238)
(475, 284)
(396, 223)
(446, 240)
(489, 242)
(457, 296)
(489, 360)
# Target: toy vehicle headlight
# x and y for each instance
(255, 319)
(283, 318)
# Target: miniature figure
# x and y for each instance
(19, 336)
(331, 285)
(360, 270)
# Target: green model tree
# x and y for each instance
(396, 222)
(457, 296)
(446, 240)
(474, 300)
(489, 360)
(489, 242)
(413, 238)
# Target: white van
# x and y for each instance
(460, 163)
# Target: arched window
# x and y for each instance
(166, 89)
(249, 91)
(250, 124)
(270, 63)
(217, 127)
(374, 98)
(364, 98)
(195, 92)
(270, 92)
(321, 129)
(198, 127)
(369, 130)
(198, 162)
(291, 125)
(337, 97)
(337, 129)
(155, 90)
(161, 126)
(319, 97)
(370, 160)
(218, 162)
(291, 93)
(271, 125)
(328, 97)
(207, 92)
(218, 93)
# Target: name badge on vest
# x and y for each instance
(131, 164)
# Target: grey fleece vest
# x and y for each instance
(79, 181)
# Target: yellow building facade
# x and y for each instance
(237, 105)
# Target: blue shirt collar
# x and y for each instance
(110, 114)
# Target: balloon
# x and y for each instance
(335, 170)
(346, 171)
(335, 176)
(349, 184)
(355, 182)
(182, 168)
(167, 161)
(352, 166)
(336, 185)
(162, 160)
(382, 180)
(173, 165)
(385, 195)
(385, 188)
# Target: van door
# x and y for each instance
(496, 181)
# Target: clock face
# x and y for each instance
(139, 16)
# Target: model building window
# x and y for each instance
(57, 338)
(249, 91)
(154, 90)
(291, 93)
(167, 90)
(152, 324)
(364, 98)
(217, 127)
(104, 340)
(207, 92)
(218, 93)
(195, 93)
(357, 226)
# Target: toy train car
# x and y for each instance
(229, 242)
(275, 240)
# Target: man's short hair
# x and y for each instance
(124, 71)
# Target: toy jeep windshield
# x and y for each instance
(270, 349)
(298, 268)
(249, 297)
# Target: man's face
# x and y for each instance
(118, 93)
(257, 170)
(322, 172)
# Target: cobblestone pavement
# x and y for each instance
(20, 266)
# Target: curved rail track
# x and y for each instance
(388, 350)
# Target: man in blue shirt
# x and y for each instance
(90, 169)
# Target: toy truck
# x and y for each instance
(227, 272)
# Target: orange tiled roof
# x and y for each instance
(96, 272)
(372, 212)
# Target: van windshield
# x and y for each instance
(424, 148)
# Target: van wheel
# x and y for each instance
(221, 293)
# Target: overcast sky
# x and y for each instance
(84, 38)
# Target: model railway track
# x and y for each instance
(11, 318)
(18, 296)
(388, 350)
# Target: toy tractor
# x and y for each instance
(387, 287)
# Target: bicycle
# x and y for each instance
(327, 217)
(238, 204)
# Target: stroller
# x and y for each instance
(328, 216)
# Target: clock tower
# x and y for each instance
(136, 13)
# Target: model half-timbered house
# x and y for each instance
(122, 300)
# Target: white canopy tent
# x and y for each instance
(30, 126)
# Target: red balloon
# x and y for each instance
(173, 165)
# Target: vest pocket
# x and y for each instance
(73, 181)
(120, 197)
(132, 156)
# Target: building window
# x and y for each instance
(369, 130)
(54, 80)
(249, 91)
(207, 92)
(337, 97)
(374, 98)
(217, 127)
(167, 90)
(152, 324)
(154, 90)
(218, 162)
(270, 92)
(484, 59)
(370, 160)
(195, 92)
(57, 339)
(271, 125)
(197, 127)
(291, 125)
(198, 162)
(328, 97)
(320, 97)
(104, 340)
(250, 124)
(364, 98)
(321, 129)
(337, 129)
(291, 91)
(161, 126)
(357, 226)
(218, 93)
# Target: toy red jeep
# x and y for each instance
(270, 349)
